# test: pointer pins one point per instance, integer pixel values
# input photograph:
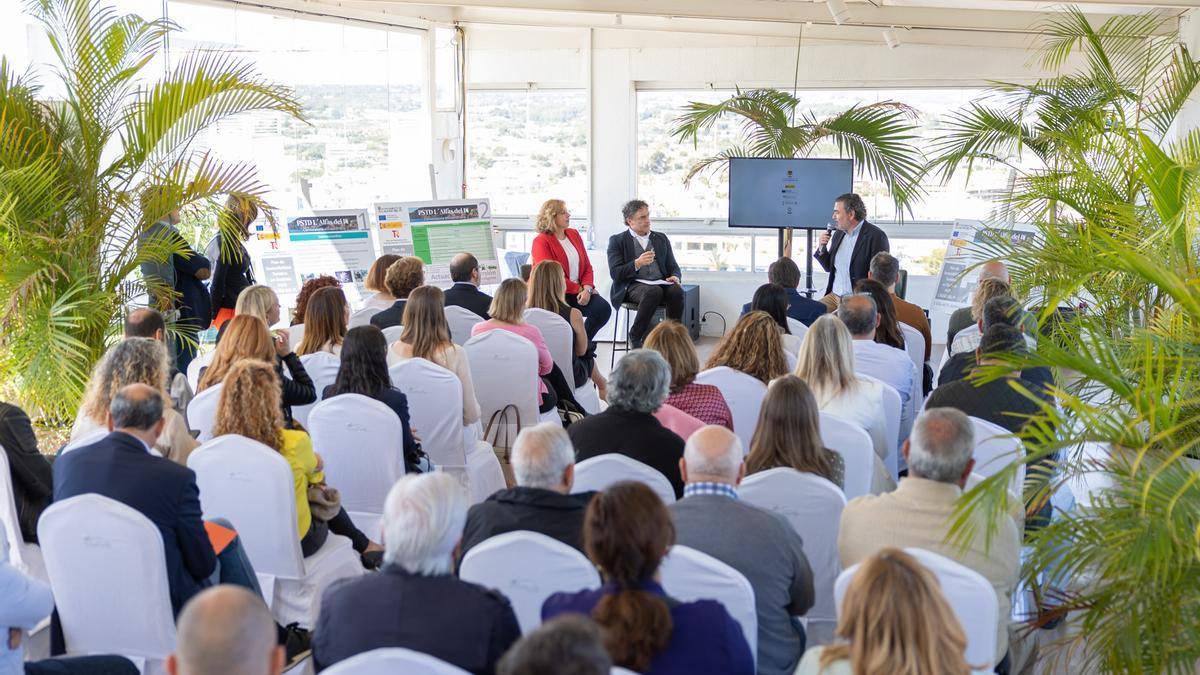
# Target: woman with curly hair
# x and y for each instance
(134, 361)
(306, 291)
(328, 314)
(403, 277)
(702, 401)
(754, 347)
(249, 406)
(248, 338)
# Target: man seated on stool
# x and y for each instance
(643, 270)
(847, 254)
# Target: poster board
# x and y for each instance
(435, 231)
(954, 288)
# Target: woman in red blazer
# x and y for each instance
(559, 242)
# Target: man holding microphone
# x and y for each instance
(643, 270)
(846, 255)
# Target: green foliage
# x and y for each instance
(81, 178)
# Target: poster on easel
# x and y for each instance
(954, 289)
(336, 243)
(436, 231)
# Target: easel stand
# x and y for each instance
(785, 249)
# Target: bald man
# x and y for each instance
(758, 543)
(465, 293)
(961, 318)
(226, 630)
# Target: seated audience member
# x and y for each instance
(772, 299)
(967, 338)
(885, 269)
(403, 277)
(543, 462)
(887, 332)
(133, 361)
(526, 271)
(758, 543)
(120, 467)
(1003, 310)
(249, 406)
(963, 316)
(753, 347)
(788, 434)
(702, 401)
(558, 241)
(260, 301)
(642, 266)
(507, 313)
(226, 631)
(636, 388)
(626, 532)
(894, 620)
(375, 282)
(300, 313)
(426, 335)
(148, 323)
(680, 423)
(31, 479)
(786, 274)
(889, 365)
(414, 601)
(546, 291)
(465, 293)
(248, 338)
(568, 645)
(922, 509)
(1006, 310)
(326, 319)
(364, 371)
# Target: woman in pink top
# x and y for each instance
(507, 314)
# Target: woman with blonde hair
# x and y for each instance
(134, 361)
(375, 282)
(507, 311)
(232, 271)
(327, 318)
(248, 338)
(426, 335)
(788, 434)
(558, 241)
(702, 401)
(754, 347)
(257, 300)
(895, 621)
(249, 406)
(547, 291)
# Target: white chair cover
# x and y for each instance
(193, 370)
(996, 448)
(295, 335)
(461, 321)
(914, 344)
(814, 507)
(322, 367)
(892, 412)
(970, 596)
(88, 439)
(559, 337)
(597, 473)
(109, 574)
(361, 441)
(393, 660)
(796, 328)
(202, 412)
(618, 670)
(392, 333)
(854, 444)
(362, 317)
(504, 368)
(527, 567)
(743, 393)
(251, 485)
(688, 574)
(25, 557)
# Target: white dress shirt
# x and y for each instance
(572, 258)
(642, 240)
(841, 262)
(886, 364)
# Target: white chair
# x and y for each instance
(250, 485)
(392, 660)
(202, 412)
(392, 333)
(504, 368)
(560, 340)
(601, 471)
(461, 321)
(796, 328)
(892, 412)
(106, 565)
(688, 574)
(618, 670)
(813, 506)
(968, 593)
(25, 557)
(914, 344)
(996, 448)
(854, 444)
(295, 335)
(193, 371)
(87, 439)
(362, 317)
(435, 410)
(743, 393)
(528, 567)
(323, 368)
(360, 440)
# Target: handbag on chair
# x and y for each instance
(503, 448)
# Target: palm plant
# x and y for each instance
(878, 137)
(83, 176)
(1116, 207)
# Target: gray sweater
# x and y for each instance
(768, 551)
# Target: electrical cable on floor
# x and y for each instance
(704, 317)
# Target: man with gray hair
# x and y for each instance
(885, 269)
(636, 389)
(571, 644)
(226, 630)
(543, 461)
(922, 509)
(885, 363)
(758, 543)
(415, 601)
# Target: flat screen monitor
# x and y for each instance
(780, 193)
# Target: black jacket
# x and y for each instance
(468, 296)
(232, 274)
(622, 251)
(392, 316)
(458, 622)
(547, 512)
(636, 435)
(871, 240)
(119, 467)
(32, 481)
(297, 389)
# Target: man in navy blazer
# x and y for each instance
(465, 293)
(786, 273)
(643, 270)
(847, 254)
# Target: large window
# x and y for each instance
(525, 147)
